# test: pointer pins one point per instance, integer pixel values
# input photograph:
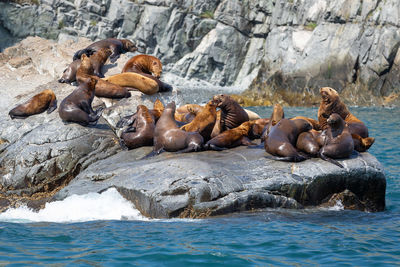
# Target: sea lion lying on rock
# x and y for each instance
(330, 104)
(142, 131)
(117, 47)
(69, 74)
(129, 120)
(281, 140)
(168, 137)
(45, 100)
(338, 142)
(77, 106)
(134, 80)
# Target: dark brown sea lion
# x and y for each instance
(232, 114)
(69, 74)
(281, 140)
(103, 88)
(143, 130)
(129, 120)
(338, 143)
(204, 121)
(276, 115)
(148, 66)
(330, 104)
(231, 138)
(35, 105)
(77, 106)
(307, 143)
(117, 46)
(168, 137)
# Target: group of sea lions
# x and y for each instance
(335, 135)
(141, 72)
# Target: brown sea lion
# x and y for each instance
(257, 128)
(134, 80)
(45, 100)
(187, 113)
(314, 123)
(98, 60)
(103, 88)
(307, 143)
(148, 66)
(231, 138)
(281, 140)
(129, 120)
(338, 143)
(204, 121)
(232, 114)
(168, 137)
(276, 115)
(117, 46)
(143, 130)
(330, 104)
(69, 74)
(77, 106)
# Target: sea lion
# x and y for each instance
(103, 88)
(231, 138)
(134, 80)
(232, 114)
(257, 128)
(168, 137)
(187, 113)
(281, 140)
(307, 143)
(314, 123)
(117, 46)
(252, 115)
(331, 103)
(276, 115)
(204, 121)
(98, 60)
(35, 105)
(338, 141)
(148, 66)
(77, 106)
(143, 130)
(129, 120)
(69, 74)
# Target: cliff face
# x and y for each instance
(281, 50)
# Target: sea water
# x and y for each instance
(106, 230)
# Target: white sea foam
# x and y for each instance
(109, 205)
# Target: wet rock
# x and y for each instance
(346, 200)
(214, 183)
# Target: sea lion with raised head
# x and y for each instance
(143, 127)
(231, 138)
(276, 115)
(117, 47)
(331, 103)
(45, 100)
(77, 106)
(204, 121)
(281, 140)
(168, 137)
(338, 142)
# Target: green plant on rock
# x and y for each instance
(207, 15)
(310, 26)
(93, 23)
(60, 24)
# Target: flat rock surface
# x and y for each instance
(213, 183)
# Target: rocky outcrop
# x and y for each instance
(283, 51)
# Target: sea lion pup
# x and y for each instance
(35, 105)
(117, 46)
(281, 140)
(69, 74)
(129, 120)
(232, 114)
(276, 115)
(168, 137)
(231, 138)
(134, 80)
(143, 130)
(330, 104)
(204, 121)
(103, 88)
(338, 142)
(77, 106)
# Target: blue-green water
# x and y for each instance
(268, 237)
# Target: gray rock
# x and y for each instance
(214, 183)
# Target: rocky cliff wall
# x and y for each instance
(281, 51)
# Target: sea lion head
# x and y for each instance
(220, 99)
(129, 46)
(335, 120)
(329, 95)
(277, 114)
(302, 125)
(155, 67)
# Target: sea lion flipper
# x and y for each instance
(52, 106)
(322, 156)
